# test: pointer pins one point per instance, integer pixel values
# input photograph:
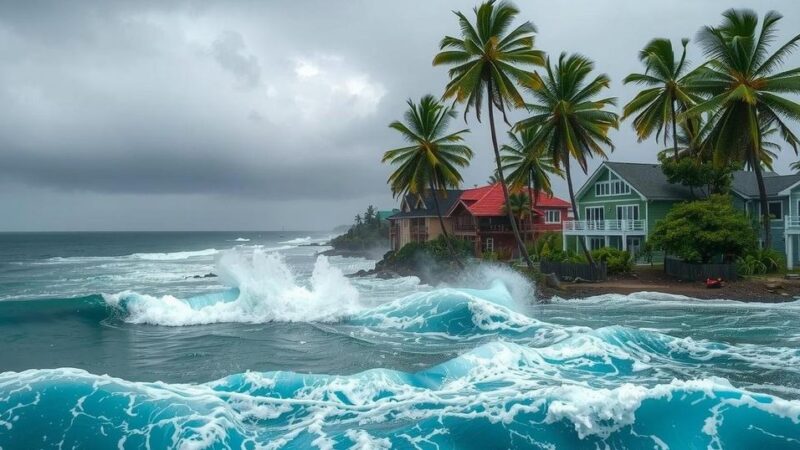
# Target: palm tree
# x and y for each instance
(519, 206)
(528, 165)
(669, 92)
(743, 92)
(487, 59)
(432, 159)
(570, 121)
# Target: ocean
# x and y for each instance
(253, 340)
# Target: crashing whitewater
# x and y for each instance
(522, 383)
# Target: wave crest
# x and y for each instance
(266, 290)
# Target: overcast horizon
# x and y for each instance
(264, 116)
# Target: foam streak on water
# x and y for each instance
(396, 364)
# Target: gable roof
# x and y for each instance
(489, 200)
(427, 208)
(649, 180)
(481, 201)
(745, 183)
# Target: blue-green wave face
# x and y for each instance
(500, 395)
(277, 358)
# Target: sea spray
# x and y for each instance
(266, 290)
(499, 395)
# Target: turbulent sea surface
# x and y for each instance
(121, 340)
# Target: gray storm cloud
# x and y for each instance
(248, 109)
(231, 53)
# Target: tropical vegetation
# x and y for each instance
(431, 161)
(724, 114)
(702, 230)
(617, 261)
(368, 232)
(488, 61)
(519, 207)
(669, 92)
(570, 118)
(744, 94)
(528, 165)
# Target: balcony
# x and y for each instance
(791, 224)
(605, 227)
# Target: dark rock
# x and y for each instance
(386, 275)
(208, 275)
(551, 281)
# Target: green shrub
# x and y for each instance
(545, 244)
(759, 262)
(700, 230)
(436, 250)
(617, 261)
(489, 256)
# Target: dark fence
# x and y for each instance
(571, 271)
(698, 272)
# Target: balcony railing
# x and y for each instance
(468, 227)
(616, 226)
(792, 222)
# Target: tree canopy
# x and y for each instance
(700, 230)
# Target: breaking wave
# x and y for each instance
(500, 395)
(264, 290)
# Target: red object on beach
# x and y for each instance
(714, 283)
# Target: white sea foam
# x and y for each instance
(661, 299)
(175, 255)
(298, 241)
(172, 256)
(268, 291)
(241, 239)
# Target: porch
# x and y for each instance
(623, 234)
(791, 229)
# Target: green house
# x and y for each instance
(621, 202)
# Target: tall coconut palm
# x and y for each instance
(571, 121)
(528, 165)
(431, 161)
(743, 93)
(488, 60)
(669, 92)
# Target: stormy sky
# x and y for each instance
(260, 115)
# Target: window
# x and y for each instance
(614, 187)
(776, 210)
(488, 245)
(628, 212)
(594, 213)
(596, 242)
(552, 216)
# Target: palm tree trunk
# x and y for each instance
(762, 195)
(450, 248)
(674, 129)
(523, 251)
(576, 217)
(532, 206)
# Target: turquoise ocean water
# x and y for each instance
(122, 340)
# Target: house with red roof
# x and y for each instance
(476, 215)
